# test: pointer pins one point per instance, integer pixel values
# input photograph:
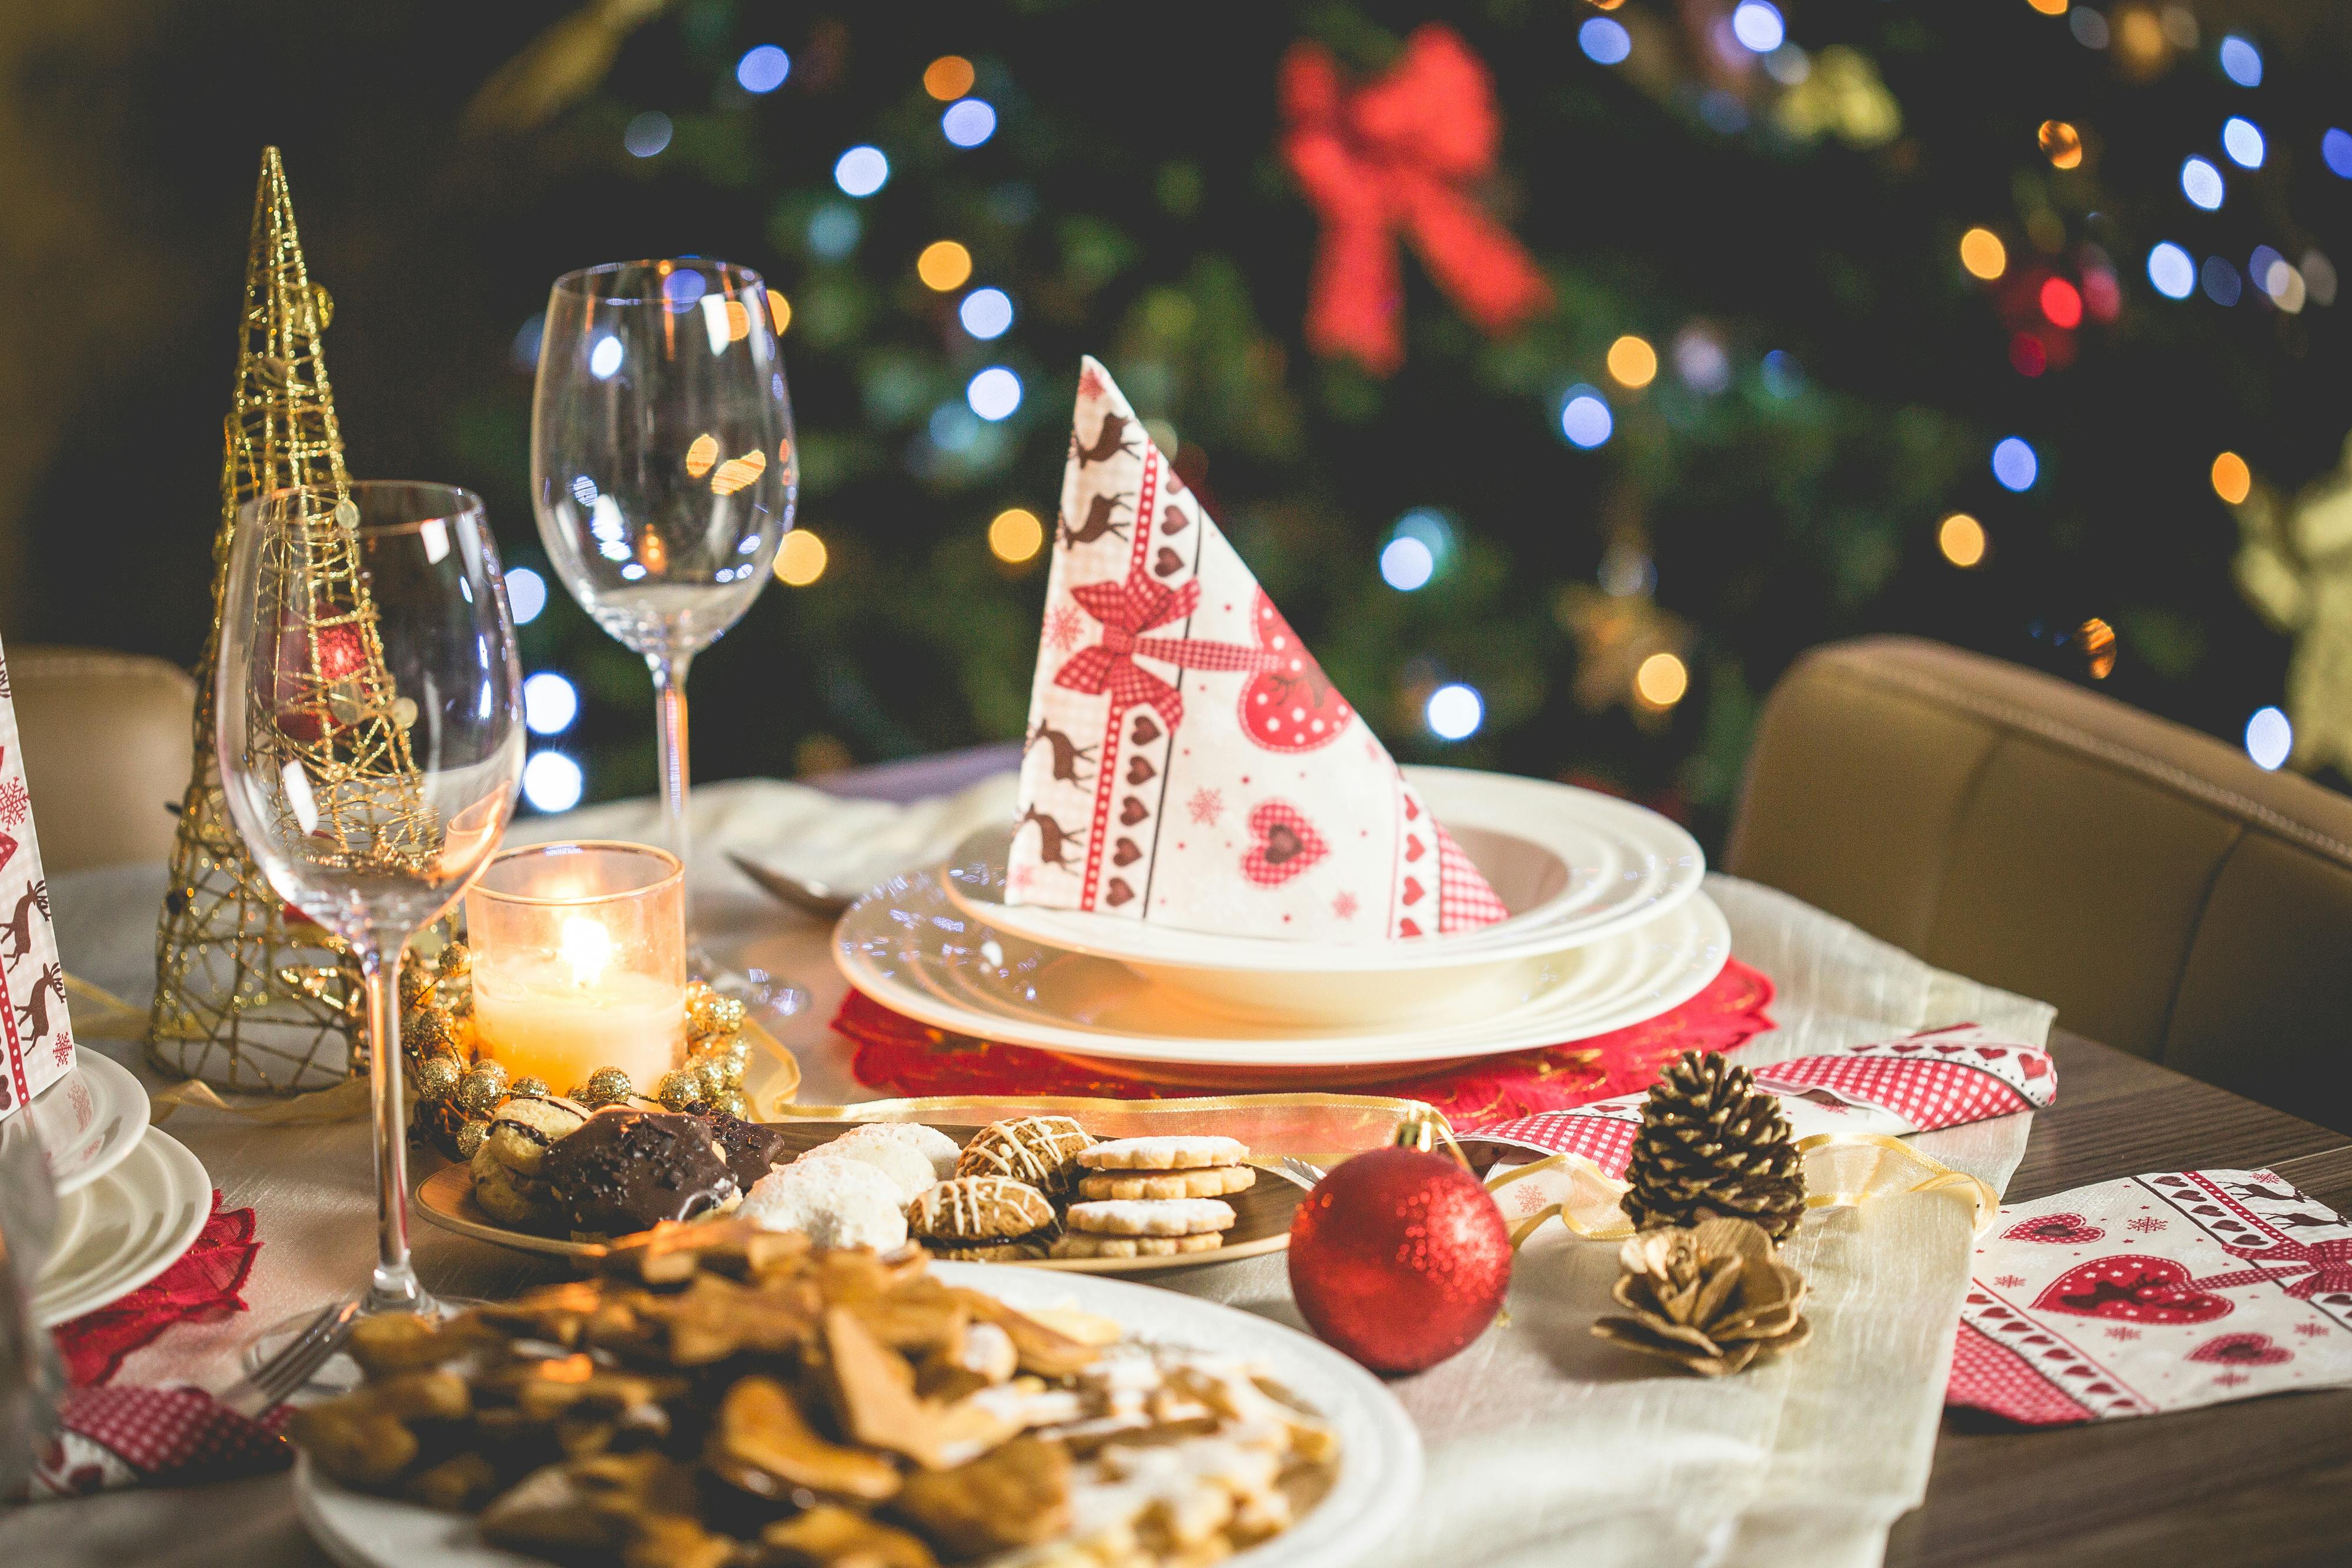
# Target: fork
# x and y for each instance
(1304, 1172)
(285, 1373)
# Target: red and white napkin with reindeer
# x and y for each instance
(2157, 1292)
(1941, 1077)
(1189, 762)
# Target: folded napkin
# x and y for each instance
(900, 1056)
(204, 1286)
(2155, 1292)
(1188, 760)
(1940, 1078)
(109, 1438)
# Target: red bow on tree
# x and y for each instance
(1391, 157)
(1128, 610)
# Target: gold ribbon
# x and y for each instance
(1842, 1170)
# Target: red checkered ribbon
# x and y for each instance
(109, 1438)
(1128, 610)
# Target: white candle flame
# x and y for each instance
(587, 946)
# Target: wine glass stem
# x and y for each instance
(670, 735)
(395, 1286)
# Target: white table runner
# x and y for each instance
(1545, 1445)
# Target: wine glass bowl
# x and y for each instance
(370, 727)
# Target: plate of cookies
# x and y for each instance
(1041, 1191)
(723, 1395)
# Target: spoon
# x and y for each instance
(818, 898)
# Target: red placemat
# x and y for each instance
(203, 1287)
(900, 1056)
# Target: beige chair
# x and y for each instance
(2172, 899)
(108, 743)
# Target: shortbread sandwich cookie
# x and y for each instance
(1180, 1153)
(1078, 1244)
(1146, 1217)
(1209, 1181)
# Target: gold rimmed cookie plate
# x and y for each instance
(1262, 1214)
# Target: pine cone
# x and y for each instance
(1714, 1296)
(1713, 1144)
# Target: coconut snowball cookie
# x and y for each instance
(908, 1171)
(834, 1202)
(929, 1142)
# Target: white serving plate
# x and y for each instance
(134, 1222)
(89, 1120)
(1572, 865)
(1378, 1487)
(909, 947)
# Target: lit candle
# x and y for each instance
(580, 963)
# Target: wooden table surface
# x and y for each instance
(2260, 1481)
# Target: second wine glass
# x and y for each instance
(663, 470)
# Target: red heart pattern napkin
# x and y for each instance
(1188, 760)
(2157, 1292)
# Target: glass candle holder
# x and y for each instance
(579, 962)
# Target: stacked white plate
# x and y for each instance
(130, 1199)
(1607, 928)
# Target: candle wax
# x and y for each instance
(536, 1019)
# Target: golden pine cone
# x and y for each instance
(1713, 1297)
(1712, 1143)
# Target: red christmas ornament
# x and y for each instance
(1400, 1259)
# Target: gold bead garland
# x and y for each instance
(457, 1090)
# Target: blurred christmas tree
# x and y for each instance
(1847, 314)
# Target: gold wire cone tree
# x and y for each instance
(249, 994)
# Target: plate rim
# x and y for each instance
(1076, 932)
(122, 1082)
(174, 1159)
(1333, 1051)
(1363, 1509)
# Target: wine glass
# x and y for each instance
(370, 735)
(662, 465)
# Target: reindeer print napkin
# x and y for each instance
(1188, 761)
(2158, 1292)
(37, 1043)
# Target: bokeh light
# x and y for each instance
(1983, 254)
(646, 134)
(2061, 302)
(763, 70)
(552, 782)
(2014, 464)
(1961, 541)
(780, 311)
(2270, 739)
(1661, 680)
(2335, 148)
(1783, 376)
(970, 122)
(948, 76)
(2027, 357)
(550, 702)
(2172, 271)
(2242, 138)
(2200, 181)
(2224, 284)
(526, 594)
(701, 456)
(2240, 61)
(1633, 361)
(604, 359)
(2061, 144)
(2049, 8)
(835, 229)
(1604, 40)
(799, 560)
(1407, 564)
(2089, 27)
(993, 394)
(1700, 362)
(2233, 480)
(1584, 417)
(986, 313)
(1014, 534)
(944, 265)
(528, 339)
(1757, 24)
(2097, 641)
(1455, 711)
(861, 171)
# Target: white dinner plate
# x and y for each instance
(136, 1221)
(909, 947)
(1572, 865)
(1378, 1487)
(89, 1120)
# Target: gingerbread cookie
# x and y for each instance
(979, 1208)
(1165, 1217)
(1075, 1244)
(1209, 1181)
(1033, 1149)
(1184, 1152)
